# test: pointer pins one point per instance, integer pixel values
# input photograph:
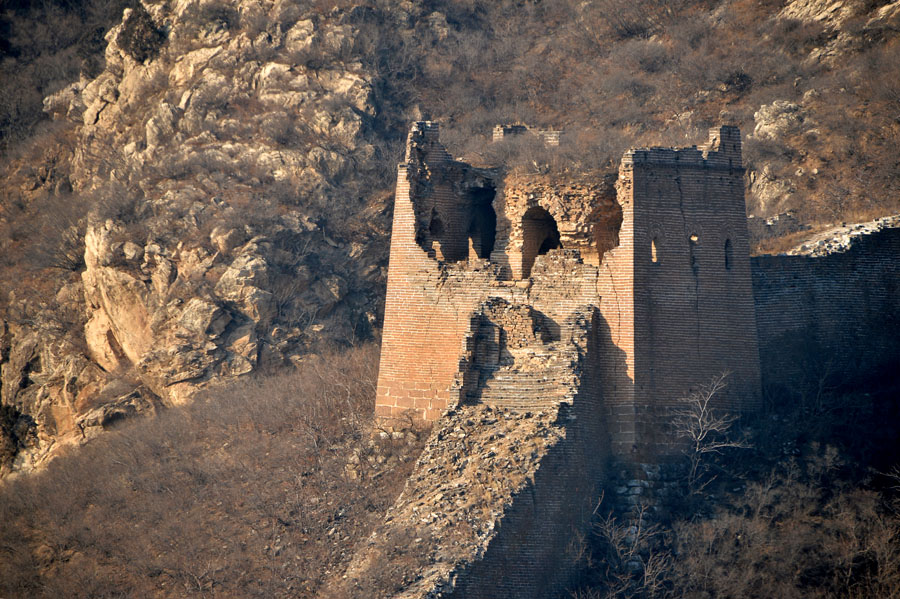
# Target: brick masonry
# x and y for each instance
(548, 327)
(672, 317)
(832, 318)
(676, 293)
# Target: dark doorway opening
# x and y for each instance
(540, 235)
(483, 226)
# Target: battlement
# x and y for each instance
(550, 137)
(722, 151)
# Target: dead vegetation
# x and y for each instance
(802, 530)
(811, 509)
(43, 47)
(616, 74)
(262, 490)
(251, 495)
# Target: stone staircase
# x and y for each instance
(542, 381)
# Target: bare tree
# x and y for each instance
(635, 562)
(706, 430)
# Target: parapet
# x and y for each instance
(550, 137)
(722, 151)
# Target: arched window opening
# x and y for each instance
(539, 235)
(483, 226)
(728, 254)
(654, 256)
(694, 242)
(436, 227)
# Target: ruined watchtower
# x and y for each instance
(526, 291)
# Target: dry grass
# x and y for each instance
(800, 532)
(260, 491)
(780, 245)
(813, 510)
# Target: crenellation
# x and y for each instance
(550, 137)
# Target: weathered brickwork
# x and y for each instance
(490, 508)
(548, 327)
(534, 212)
(431, 297)
(677, 291)
(832, 318)
(550, 137)
(663, 252)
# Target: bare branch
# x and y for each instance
(706, 430)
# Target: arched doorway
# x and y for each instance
(539, 235)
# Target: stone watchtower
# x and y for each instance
(677, 293)
(637, 289)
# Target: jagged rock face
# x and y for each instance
(233, 229)
(837, 19)
(828, 12)
(780, 121)
(53, 395)
(801, 127)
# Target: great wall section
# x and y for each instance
(547, 327)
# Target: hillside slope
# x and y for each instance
(216, 200)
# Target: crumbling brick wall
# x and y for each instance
(425, 319)
(666, 260)
(561, 324)
(551, 137)
(579, 213)
(514, 358)
(532, 554)
(491, 506)
(430, 299)
(599, 310)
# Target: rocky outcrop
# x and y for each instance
(781, 122)
(229, 151)
(53, 395)
(849, 26)
(828, 12)
(841, 238)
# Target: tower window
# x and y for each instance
(483, 224)
(654, 256)
(728, 255)
(694, 242)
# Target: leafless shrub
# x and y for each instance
(258, 490)
(635, 563)
(626, 557)
(706, 430)
(798, 37)
(797, 532)
(623, 20)
(139, 37)
(46, 45)
(120, 203)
